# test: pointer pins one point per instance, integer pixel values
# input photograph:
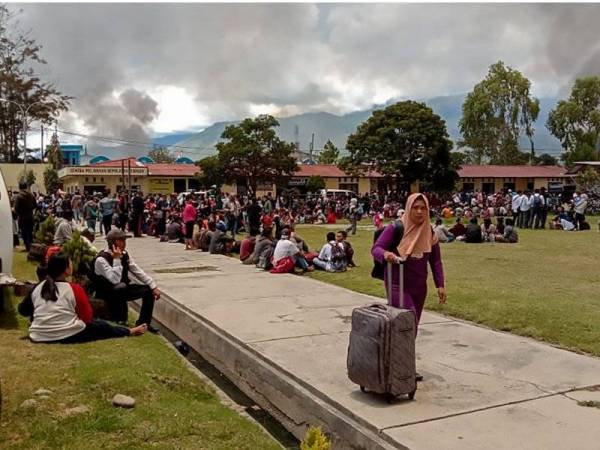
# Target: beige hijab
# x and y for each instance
(417, 239)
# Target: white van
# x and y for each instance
(336, 193)
(6, 232)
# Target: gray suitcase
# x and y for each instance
(381, 353)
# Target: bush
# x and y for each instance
(315, 439)
(45, 234)
(81, 255)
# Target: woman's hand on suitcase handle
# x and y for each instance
(390, 257)
(442, 295)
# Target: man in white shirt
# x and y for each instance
(525, 207)
(516, 207)
(286, 248)
(327, 260)
(111, 281)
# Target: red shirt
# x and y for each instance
(246, 248)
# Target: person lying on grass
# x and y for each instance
(61, 312)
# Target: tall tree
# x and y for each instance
(576, 122)
(160, 154)
(210, 173)
(498, 111)
(251, 153)
(406, 141)
(54, 153)
(51, 180)
(589, 180)
(329, 155)
(19, 55)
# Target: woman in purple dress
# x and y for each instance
(418, 247)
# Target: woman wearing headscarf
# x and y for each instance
(418, 247)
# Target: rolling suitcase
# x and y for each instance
(381, 353)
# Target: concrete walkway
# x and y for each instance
(283, 340)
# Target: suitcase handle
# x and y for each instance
(398, 260)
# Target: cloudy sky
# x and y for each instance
(136, 69)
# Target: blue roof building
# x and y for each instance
(71, 154)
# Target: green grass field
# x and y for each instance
(174, 408)
(547, 286)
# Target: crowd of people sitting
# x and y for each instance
(212, 221)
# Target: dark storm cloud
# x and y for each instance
(297, 57)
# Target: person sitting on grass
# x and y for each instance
(488, 230)
(287, 255)
(458, 230)
(348, 250)
(332, 257)
(61, 312)
(510, 235)
(500, 225)
(473, 234)
(442, 232)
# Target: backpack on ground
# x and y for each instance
(337, 252)
(378, 268)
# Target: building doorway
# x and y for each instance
(179, 185)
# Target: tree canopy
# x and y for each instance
(251, 153)
(329, 155)
(159, 154)
(498, 111)
(54, 153)
(406, 142)
(576, 122)
(19, 83)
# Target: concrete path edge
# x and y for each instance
(291, 403)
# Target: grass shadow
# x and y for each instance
(8, 313)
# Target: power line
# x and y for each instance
(145, 144)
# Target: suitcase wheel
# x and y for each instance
(362, 389)
(390, 398)
(411, 396)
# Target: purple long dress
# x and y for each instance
(415, 273)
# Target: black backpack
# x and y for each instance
(379, 268)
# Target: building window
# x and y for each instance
(488, 188)
(468, 187)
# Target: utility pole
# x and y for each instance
(42, 142)
(312, 147)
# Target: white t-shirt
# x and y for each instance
(53, 321)
(284, 248)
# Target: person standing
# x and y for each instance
(90, 213)
(352, 215)
(76, 204)
(417, 248)
(525, 207)
(25, 204)
(517, 198)
(189, 219)
(107, 209)
(579, 206)
(137, 214)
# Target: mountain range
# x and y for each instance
(327, 126)
(337, 128)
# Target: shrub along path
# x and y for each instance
(174, 408)
(547, 286)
